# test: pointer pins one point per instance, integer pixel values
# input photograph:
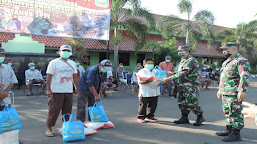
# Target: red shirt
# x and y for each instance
(166, 66)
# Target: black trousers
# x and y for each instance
(147, 107)
(83, 100)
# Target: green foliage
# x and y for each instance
(185, 6)
(79, 49)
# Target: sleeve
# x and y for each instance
(160, 65)
(73, 64)
(244, 72)
(27, 75)
(90, 78)
(12, 76)
(40, 75)
(50, 68)
(185, 71)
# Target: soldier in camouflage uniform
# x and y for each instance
(234, 81)
(188, 87)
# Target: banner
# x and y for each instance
(61, 18)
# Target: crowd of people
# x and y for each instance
(65, 77)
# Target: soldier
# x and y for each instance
(234, 81)
(188, 87)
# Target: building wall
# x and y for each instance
(94, 58)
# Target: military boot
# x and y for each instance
(233, 136)
(183, 119)
(225, 132)
(199, 120)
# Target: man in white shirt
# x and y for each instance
(148, 96)
(80, 68)
(34, 76)
(61, 75)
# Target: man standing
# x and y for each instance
(148, 96)
(34, 76)
(7, 80)
(61, 72)
(168, 67)
(90, 84)
(188, 87)
(234, 81)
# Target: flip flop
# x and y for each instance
(49, 134)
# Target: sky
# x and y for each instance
(228, 13)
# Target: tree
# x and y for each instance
(130, 18)
(244, 34)
(172, 26)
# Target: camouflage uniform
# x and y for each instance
(188, 85)
(234, 78)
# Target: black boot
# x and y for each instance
(199, 120)
(183, 119)
(233, 136)
(225, 132)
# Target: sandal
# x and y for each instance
(49, 134)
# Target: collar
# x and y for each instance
(235, 56)
(186, 57)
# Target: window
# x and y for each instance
(140, 58)
(102, 56)
(124, 58)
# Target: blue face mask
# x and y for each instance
(65, 54)
(149, 66)
(32, 68)
(9, 64)
(167, 60)
(103, 70)
(78, 63)
(217, 69)
(181, 54)
(2, 59)
(204, 68)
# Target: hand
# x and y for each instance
(3, 95)
(1, 85)
(166, 81)
(170, 73)
(49, 93)
(150, 80)
(219, 96)
(250, 110)
(241, 96)
(97, 98)
(76, 93)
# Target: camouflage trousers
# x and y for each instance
(232, 109)
(188, 100)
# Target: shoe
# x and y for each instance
(141, 120)
(30, 94)
(175, 96)
(41, 93)
(182, 120)
(152, 119)
(233, 136)
(199, 120)
(225, 132)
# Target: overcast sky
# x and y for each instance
(227, 13)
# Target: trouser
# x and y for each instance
(169, 87)
(232, 109)
(188, 100)
(83, 100)
(148, 104)
(56, 103)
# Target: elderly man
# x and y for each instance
(90, 87)
(34, 76)
(7, 79)
(168, 67)
(61, 73)
(234, 82)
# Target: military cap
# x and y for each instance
(183, 48)
(228, 45)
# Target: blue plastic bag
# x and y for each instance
(9, 119)
(97, 113)
(160, 74)
(72, 130)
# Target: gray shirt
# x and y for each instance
(7, 77)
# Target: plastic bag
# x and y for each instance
(9, 119)
(108, 124)
(97, 113)
(94, 125)
(160, 74)
(72, 130)
(156, 82)
(10, 137)
(87, 131)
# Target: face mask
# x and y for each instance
(77, 63)
(217, 69)
(65, 54)
(9, 64)
(121, 66)
(204, 68)
(226, 53)
(149, 66)
(168, 61)
(32, 68)
(108, 68)
(2, 59)
(103, 70)
(181, 54)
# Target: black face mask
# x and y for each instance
(226, 53)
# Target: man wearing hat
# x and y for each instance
(61, 75)
(168, 67)
(188, 87)
(90, 87)
(7, 80)
(34, 76)
(234, 81)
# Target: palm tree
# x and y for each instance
(172, 26)
(244, 34)
(132, 19)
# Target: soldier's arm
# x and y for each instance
(244, 72)
(185, 71)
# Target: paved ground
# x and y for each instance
(121, 110)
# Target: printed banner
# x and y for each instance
(62, 18)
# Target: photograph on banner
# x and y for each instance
(62, 18)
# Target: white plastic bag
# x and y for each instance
(108, 124)
(87, 131)
(94, 125)
(10, 137)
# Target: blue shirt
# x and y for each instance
(91, 77)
